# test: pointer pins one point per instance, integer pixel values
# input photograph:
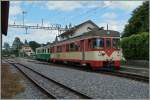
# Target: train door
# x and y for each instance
(83, 49)
(108, 46)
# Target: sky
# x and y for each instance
(114, 13)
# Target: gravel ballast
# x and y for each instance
(95, 85)
(58, 91)
(31, 91)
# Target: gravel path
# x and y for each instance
(31, 91)
(94, 84)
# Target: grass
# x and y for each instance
(10, 83)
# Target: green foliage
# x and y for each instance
(6, 46)
(139, 22)
(17, 44)
(123, 62)
(136, 46)
(10, 52)
(34, 45)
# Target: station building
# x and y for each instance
(78, 30)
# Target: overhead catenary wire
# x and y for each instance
(87, 13)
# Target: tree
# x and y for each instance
(48, 43)
(139, 22)
(17, 44)
(34, 45)
(66, 28)
(25, 42)
(70, 25)
(136, 46)
(6, 50)
(6, 46)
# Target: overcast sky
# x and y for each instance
(113, 13)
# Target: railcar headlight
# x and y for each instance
(101, 53)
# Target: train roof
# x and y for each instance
(43, 47)
(101, 33)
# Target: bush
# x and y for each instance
(136, 46)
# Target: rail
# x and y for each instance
(73, 92)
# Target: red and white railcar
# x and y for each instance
(99, 48)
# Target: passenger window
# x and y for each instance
(74, 47)
(48, 50)
(67, 47)
(59, 49)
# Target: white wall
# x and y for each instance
(79, 31)
(83, 29)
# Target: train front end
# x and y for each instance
(105, 51)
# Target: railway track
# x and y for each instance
(108, 72)
(128, 75)
(50, 86)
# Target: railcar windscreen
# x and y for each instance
(98, 43)
(116, 43)
(108, 44)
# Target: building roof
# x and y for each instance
(73, 29)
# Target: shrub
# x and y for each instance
(136, 46)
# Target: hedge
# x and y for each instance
(136, 46)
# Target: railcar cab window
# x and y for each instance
(116, 43)
(97, 43)
(108, 45)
